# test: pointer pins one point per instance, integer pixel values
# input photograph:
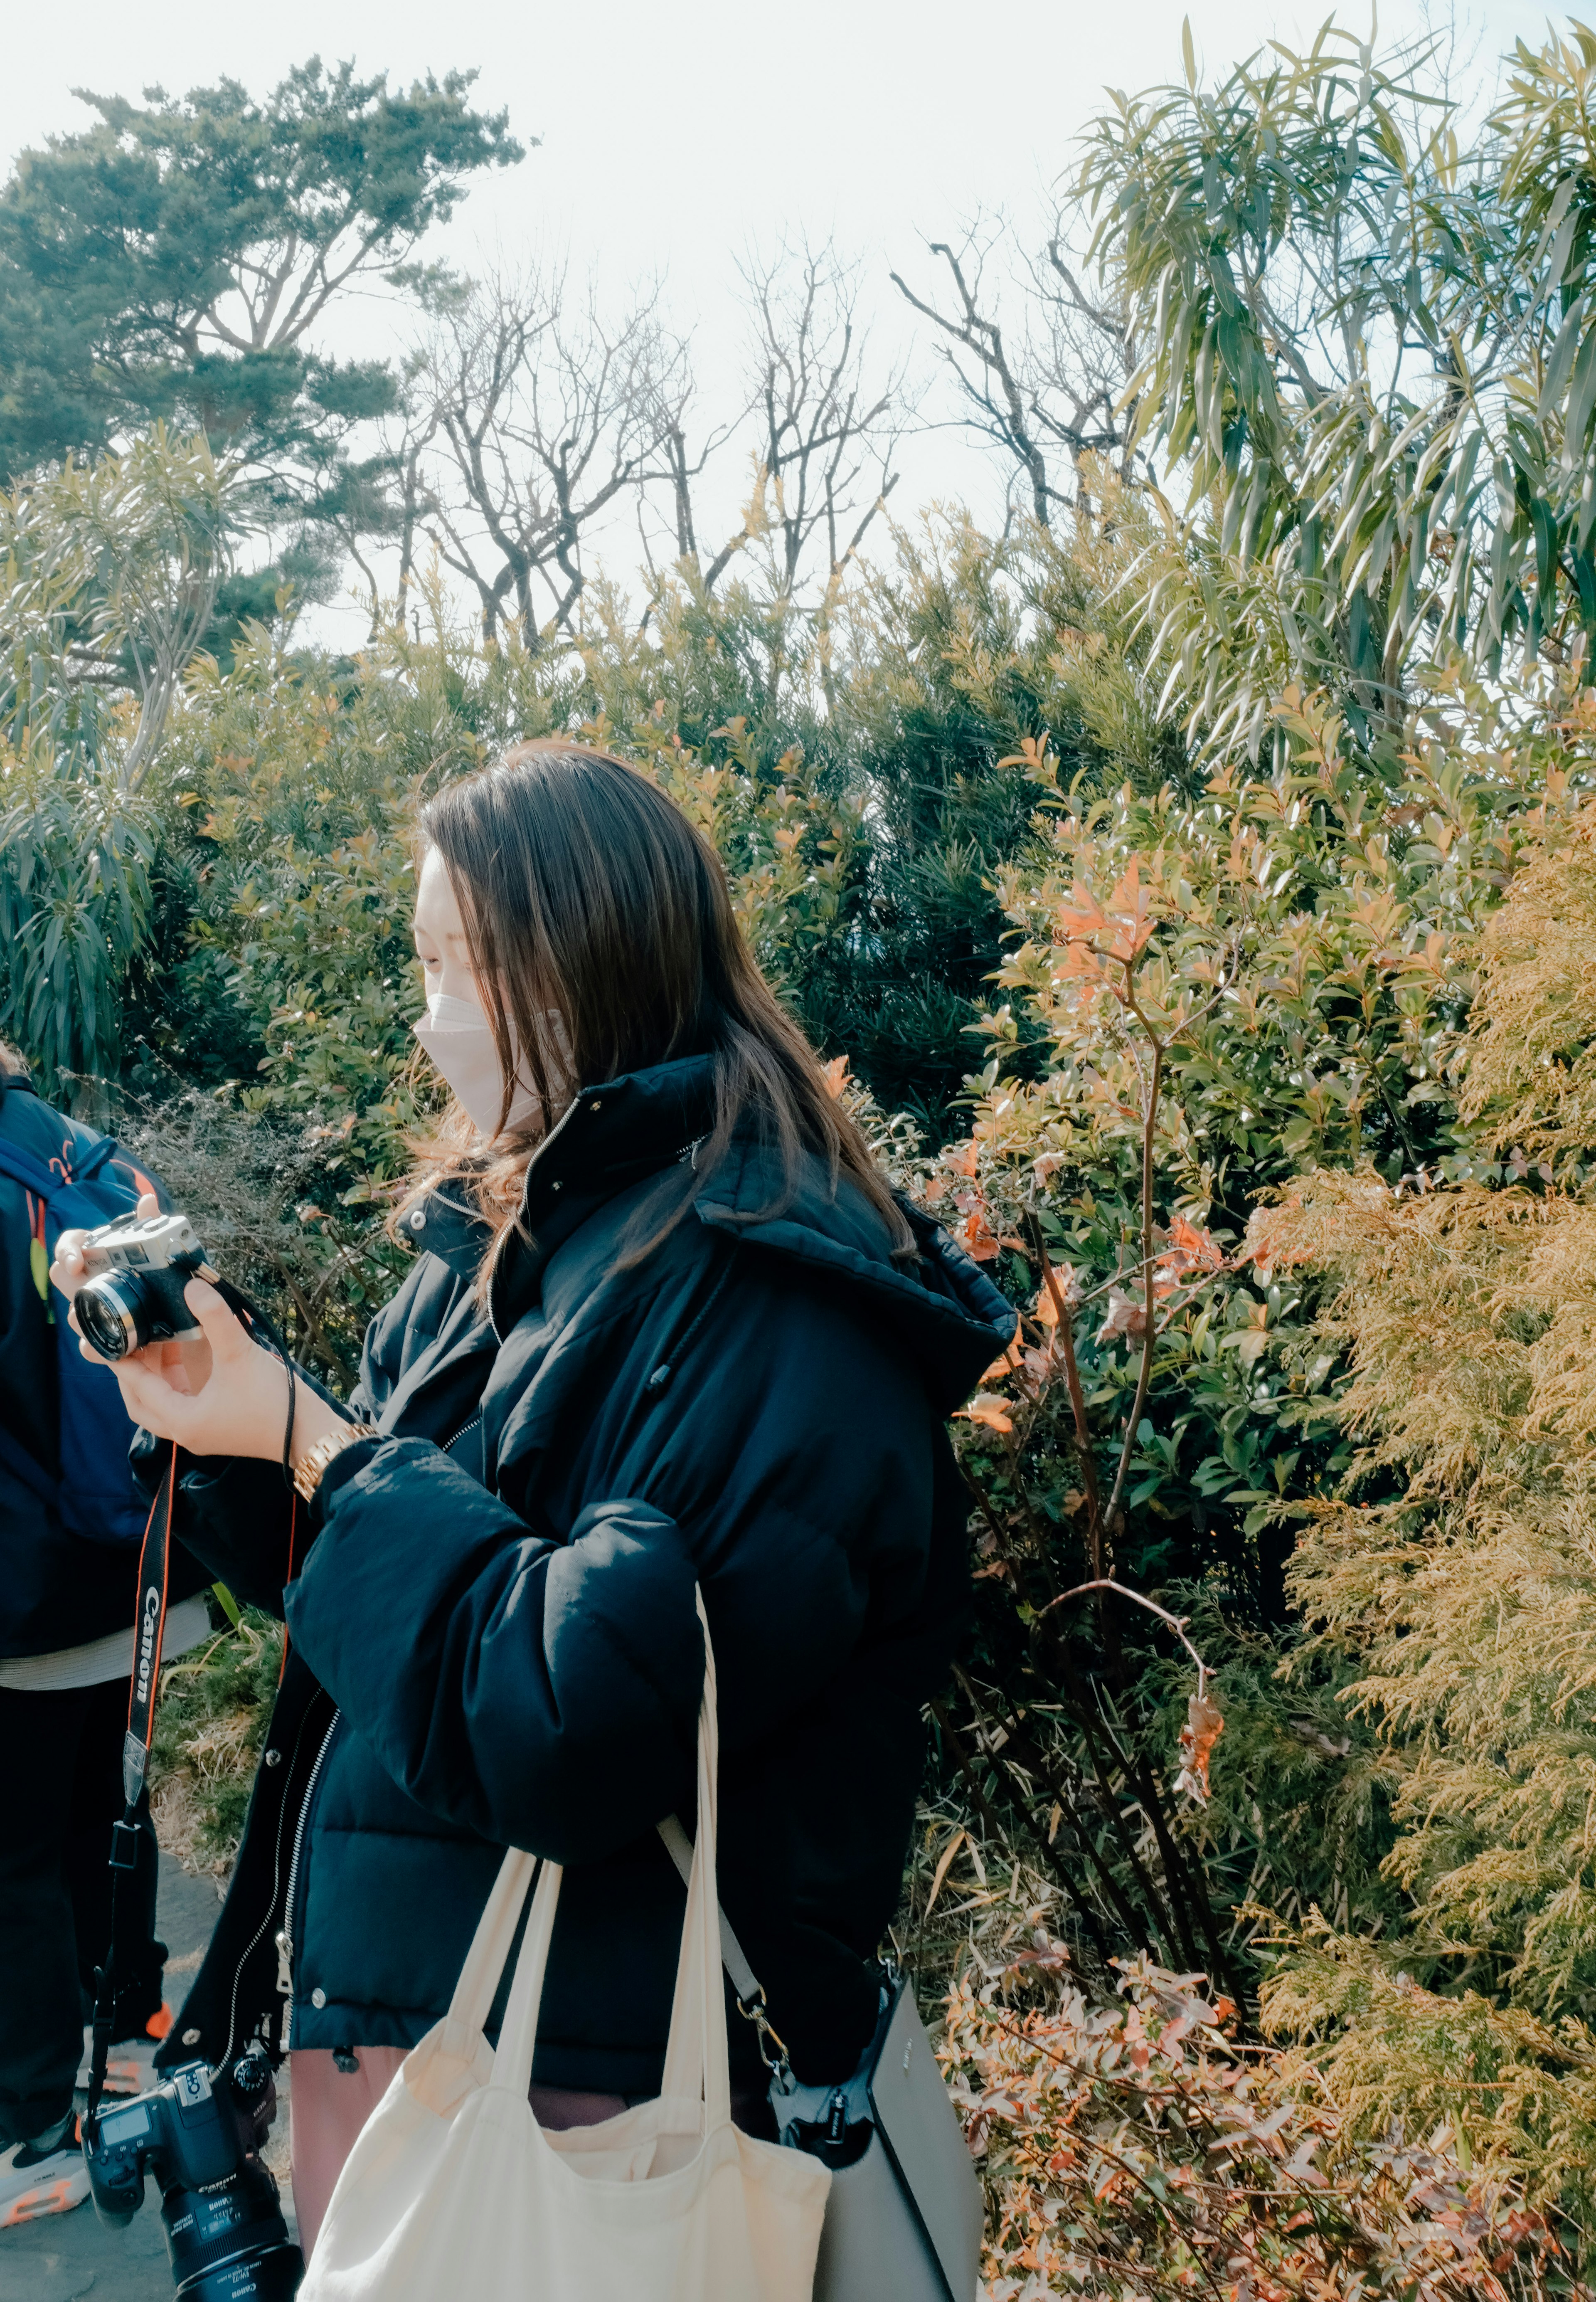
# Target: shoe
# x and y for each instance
(45, 2176)
(128, 2072)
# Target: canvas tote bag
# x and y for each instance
(904, 2215)
(454, 2189)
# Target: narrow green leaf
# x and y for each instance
(1561, 359)
(1582, 398)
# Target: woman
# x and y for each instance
(667, 1326)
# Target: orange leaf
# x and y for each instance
(1066, 1286)
(1200, 1247)
(943, 1865)
(979, 1241)
(1131, 905)
(1189, 1250)
(1078, 959)
(835, 1074)
(1204, 1723)
(1032, 755)
(1081, 916)
(1006, 1364)
(987, 1408)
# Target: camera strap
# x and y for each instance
(150, 1627)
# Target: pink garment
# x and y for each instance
(328, 2107)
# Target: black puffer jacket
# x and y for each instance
(498, 1598)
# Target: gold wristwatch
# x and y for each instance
(309, 1470)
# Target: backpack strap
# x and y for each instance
(27, 1169)
(59, 1192)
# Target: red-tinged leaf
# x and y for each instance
(1050, 1957)
(1130, 907)
(836, 1074)
(1080, 918)
(1079, 963)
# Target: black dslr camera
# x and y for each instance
(201, 2138)
(138, 1269)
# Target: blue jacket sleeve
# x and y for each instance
(545, 1694)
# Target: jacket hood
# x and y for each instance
(946, 1312)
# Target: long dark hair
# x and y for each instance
(588, 897)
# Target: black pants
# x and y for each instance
(63, 1775)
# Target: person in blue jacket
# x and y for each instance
(66, 1646)
(668, 1325)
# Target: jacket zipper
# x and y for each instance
(252, 1944)
(285, 1940)
(464, 1431)
(286, 1930)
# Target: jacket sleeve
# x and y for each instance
(234, 1513)
(544, 1694)
(231, 1513)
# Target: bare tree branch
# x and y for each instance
(827, 425)
(545, 410)
(1061, 384)
(997, 390)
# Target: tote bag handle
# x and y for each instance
(696, 2059)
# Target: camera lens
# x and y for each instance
(273, 2276)
(108, 1315)
(229, 2242)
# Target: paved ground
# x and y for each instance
(67, 2257)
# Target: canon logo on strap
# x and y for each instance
(147, 1640)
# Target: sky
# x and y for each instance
(671, 138)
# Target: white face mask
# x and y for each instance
(459, 1042)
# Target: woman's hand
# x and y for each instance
(217, 1393)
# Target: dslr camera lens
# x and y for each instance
(225, 2233)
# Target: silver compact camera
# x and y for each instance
(138, 1269)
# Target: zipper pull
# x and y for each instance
(836, 2120)
(285, 1951)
